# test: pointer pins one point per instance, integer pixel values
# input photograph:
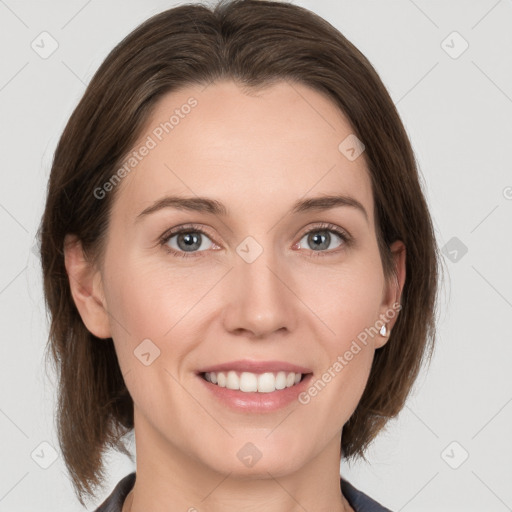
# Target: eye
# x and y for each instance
(188, 240)
(320, 239)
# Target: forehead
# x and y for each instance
(252, 148)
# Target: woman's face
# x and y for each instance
(261, 281)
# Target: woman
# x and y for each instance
(239, 263)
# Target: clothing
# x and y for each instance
(359, 501)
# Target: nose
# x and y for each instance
(259, 298)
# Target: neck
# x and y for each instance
(169, 478)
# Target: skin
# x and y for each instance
(215, 307)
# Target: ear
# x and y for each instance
(86, 288)
(392, 292)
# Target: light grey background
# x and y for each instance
(457, 112)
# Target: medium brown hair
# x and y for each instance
(254, 43)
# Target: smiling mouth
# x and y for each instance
(248, 382)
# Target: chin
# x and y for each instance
(256, 457)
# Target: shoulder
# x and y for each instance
(358, 500)
(114, 503)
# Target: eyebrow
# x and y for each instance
(214, 207)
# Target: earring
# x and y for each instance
(383, 331)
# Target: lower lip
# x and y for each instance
(258, 402)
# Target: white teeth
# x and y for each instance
(221, 379)
(248, 382)
(232, 381)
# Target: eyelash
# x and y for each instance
(193, 228)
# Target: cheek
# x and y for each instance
(154, 303)
(347, 304)
(149, 297)
(346, 299)
(349, 309)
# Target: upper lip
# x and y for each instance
(246, 365)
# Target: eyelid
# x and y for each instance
(327, 226)
(191, 227)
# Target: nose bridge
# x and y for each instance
(260, 302)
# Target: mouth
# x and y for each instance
(249, 382)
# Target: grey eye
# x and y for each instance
(320, 239)
(188, 241)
